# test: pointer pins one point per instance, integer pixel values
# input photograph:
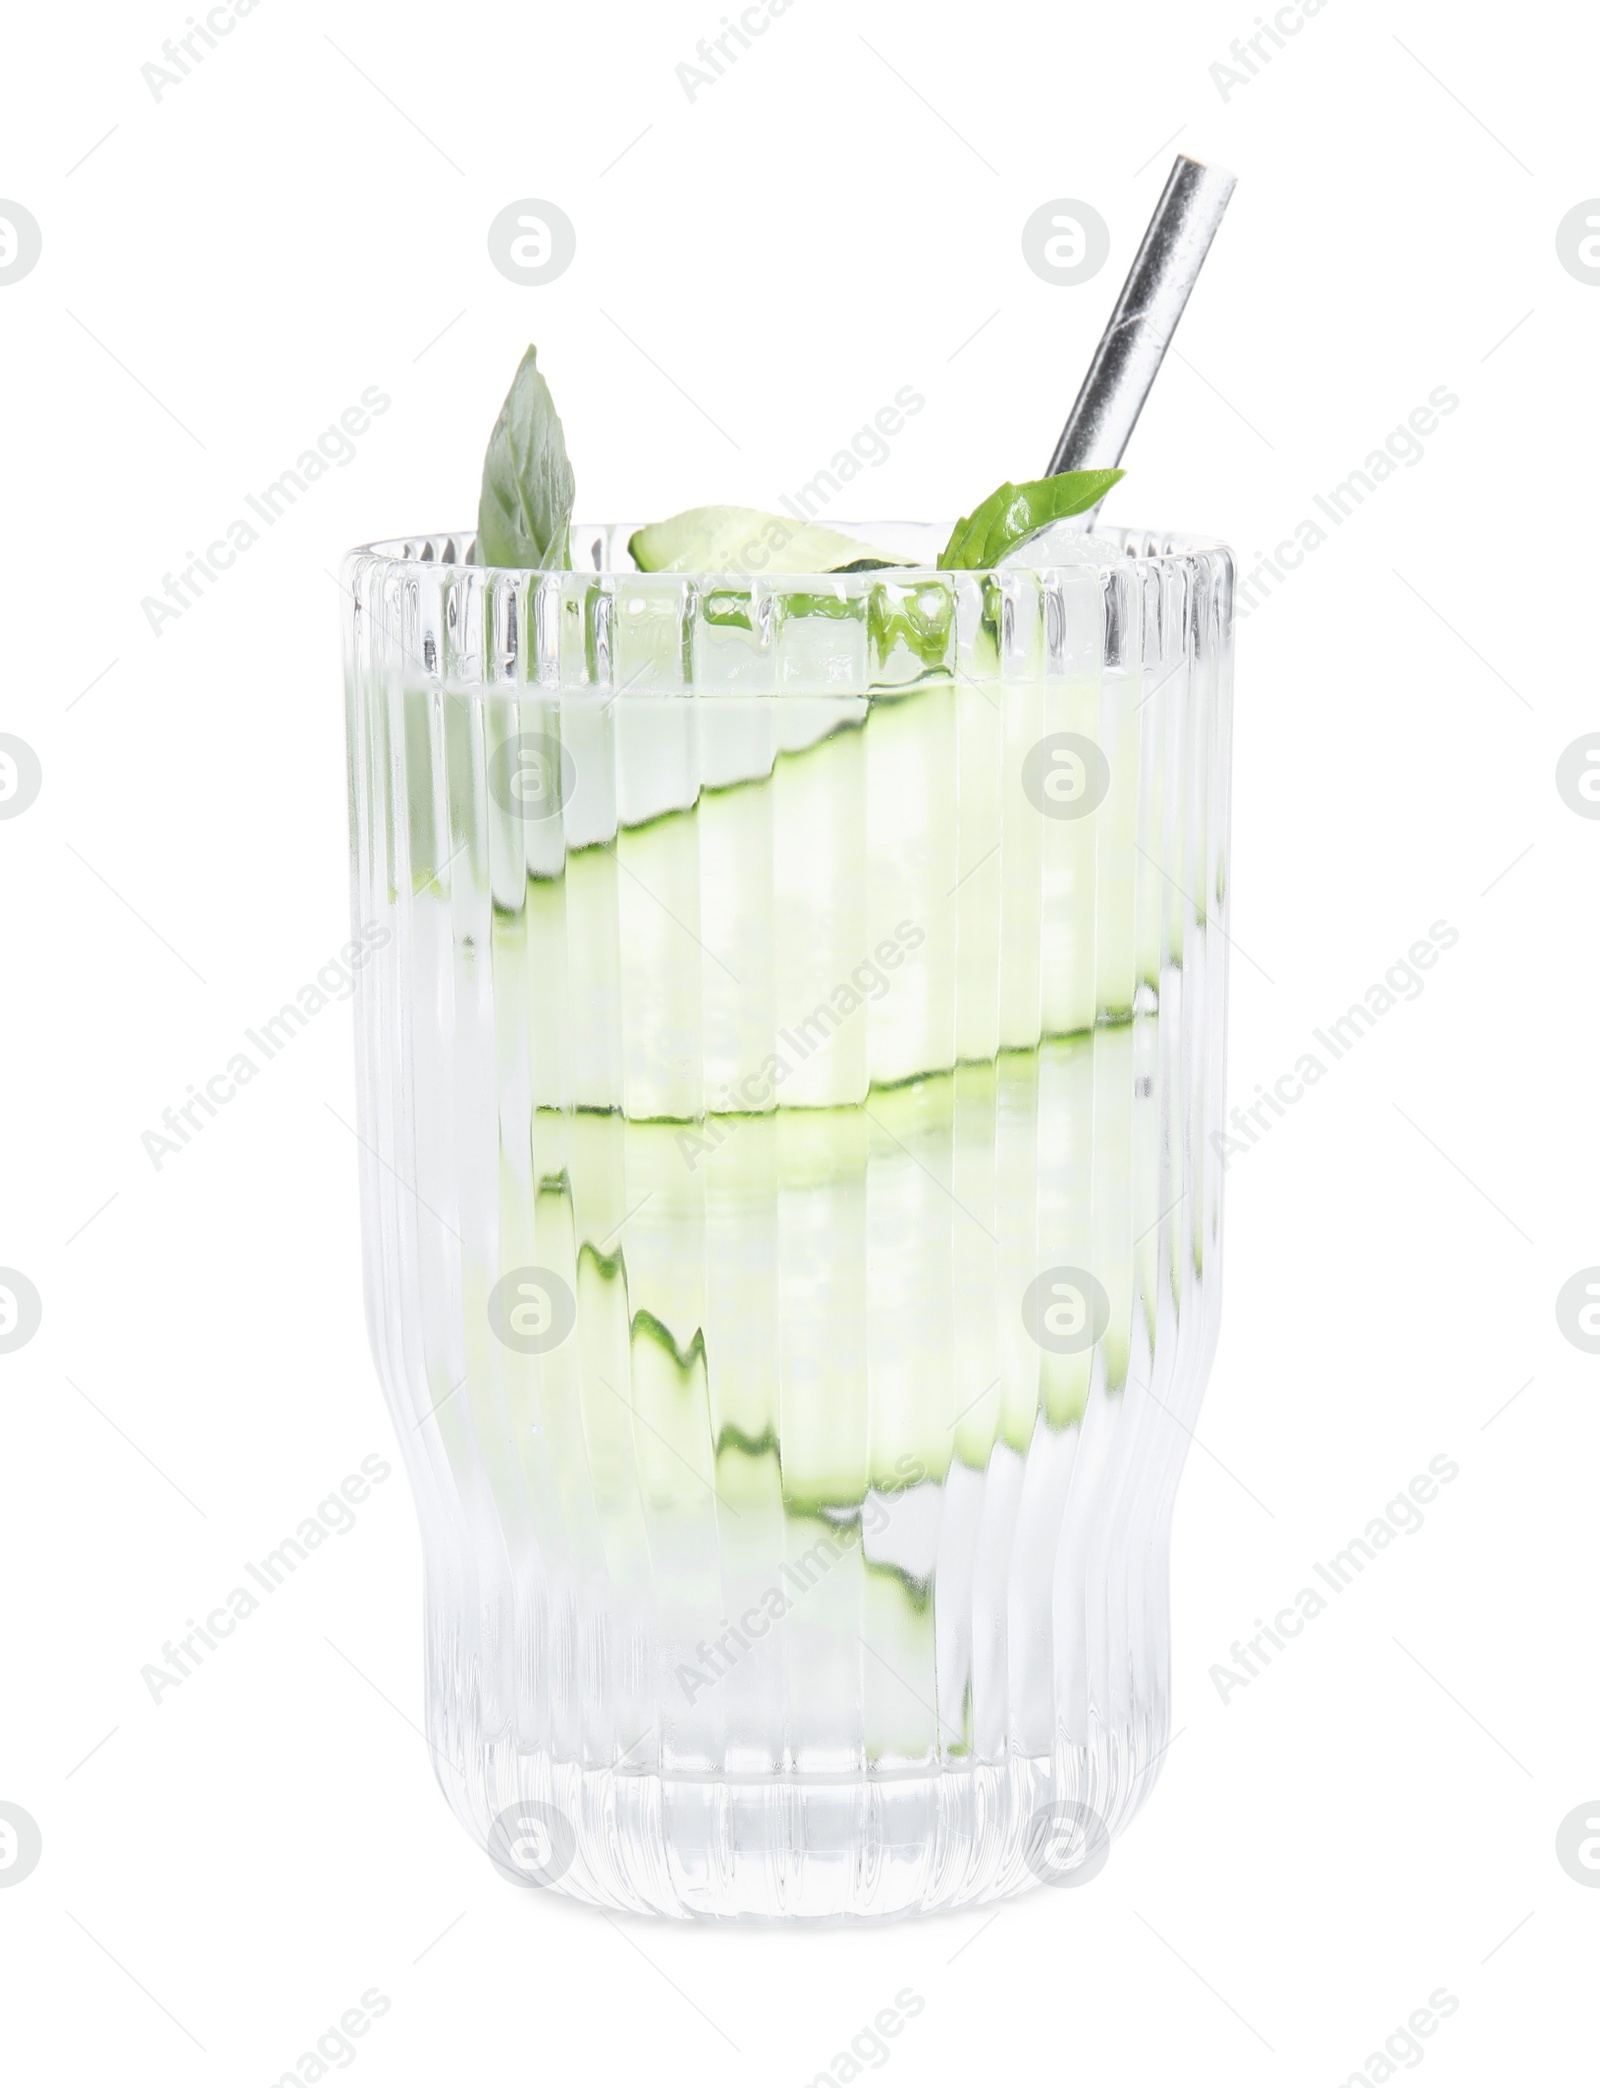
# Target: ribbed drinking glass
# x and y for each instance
(788, 1063)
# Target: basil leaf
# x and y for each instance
(1013, 513)
(525, 507)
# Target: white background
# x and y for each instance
(1371, 1818)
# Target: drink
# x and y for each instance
(787, 1063)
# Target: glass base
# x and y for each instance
(854, 1847)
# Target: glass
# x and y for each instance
(789, 1054)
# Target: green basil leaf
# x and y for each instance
(1011, 514)
(525, 507)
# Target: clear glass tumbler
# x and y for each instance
(788, 1059)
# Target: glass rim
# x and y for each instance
(454, 552)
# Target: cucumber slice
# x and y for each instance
(912, 784)
(746, 540)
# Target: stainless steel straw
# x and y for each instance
(1145, 318)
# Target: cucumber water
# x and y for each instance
(788, 1157)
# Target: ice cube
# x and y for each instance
(1063, 543)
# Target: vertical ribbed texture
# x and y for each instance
(745, 1035)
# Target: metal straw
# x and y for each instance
(1145, 318)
